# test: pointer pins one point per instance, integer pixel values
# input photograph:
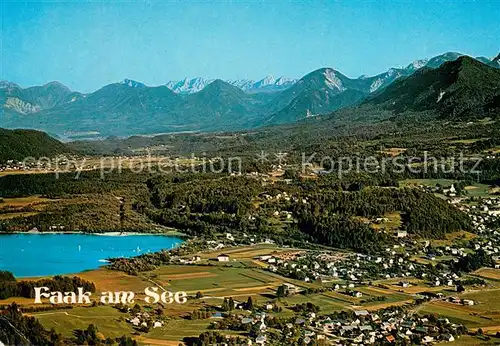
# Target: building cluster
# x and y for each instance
(361, 327)
(12, 165)
(385, 327)
(45, 165)
(485, 216)
(145, 320)
(353, 268)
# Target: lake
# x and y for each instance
(27, 255)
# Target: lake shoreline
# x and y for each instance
(40, 254)
(108, 234)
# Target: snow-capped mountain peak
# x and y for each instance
(285, 81)
(243, 84)
(132, 83)
(496, 59)
(188, 85)
(4, 84)
(268, 83)
(417, 64)
(267, 80)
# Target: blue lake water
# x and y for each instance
(28, 255)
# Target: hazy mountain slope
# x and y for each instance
(437, 61)
(312, 103)
(219, 105)
(461, 88)
(127, 108)
(33, 99)
(116, 108)
(319, 92)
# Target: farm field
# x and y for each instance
(23, 206)
(488, 273)
(427, 182)
(24, 201)
(178, 329)
(109, 321)
(110, 280)
(486, 301)
(478, 190)
(327, 304)
(216, 280)
(249, 252)
(467, 340)
(416, 286)
(452, 238)
(466, 315)
(468, 141)
(391, 297)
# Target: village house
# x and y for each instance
(401, 234)
(260, 340)
(223, 258)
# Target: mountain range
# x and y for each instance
(461, 89)
(267, 84)
(130, 107)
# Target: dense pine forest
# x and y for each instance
(20, 144)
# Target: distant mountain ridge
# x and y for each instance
(267, 84)
(458, 89)
(271, 84)
(130, 107)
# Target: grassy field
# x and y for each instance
(14, 215)
(391, 296)
(109, 321)
(487, 302)
(478, 190)
(13, 207)
(110, 280)
(467, 141)
(24, 201)
(471, 317)
(467, 340)
(488, 273)
(452, 238)
(427, 182)
(495, 150)
(392, 221)
(393, 151)
(326, 303)
(217, 280)
(178, 329)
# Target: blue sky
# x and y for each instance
(86, 45)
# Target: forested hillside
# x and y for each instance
(321, 211)
(460, 89)
(19, 144)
